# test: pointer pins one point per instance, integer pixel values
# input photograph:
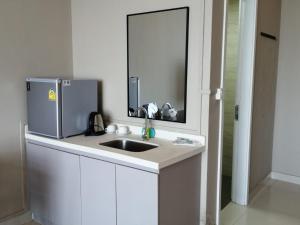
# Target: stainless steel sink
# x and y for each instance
(129, 145)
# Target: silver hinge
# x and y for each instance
(219, 94)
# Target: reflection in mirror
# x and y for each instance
(157, 64)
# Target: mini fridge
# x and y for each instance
(60, 108)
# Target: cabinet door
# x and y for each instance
(137, 197)
(54, 186)
(98, 192)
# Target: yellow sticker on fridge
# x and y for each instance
(51, 95)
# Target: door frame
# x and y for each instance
(221, 119)
(244, 96)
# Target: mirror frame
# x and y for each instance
(186, 58)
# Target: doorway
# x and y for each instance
(230, 80)
(241, 118)
(274, 142)
(249, 111)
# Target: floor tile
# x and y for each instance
(281, 198)
(276, 204)
(261, 217)
(231, 213)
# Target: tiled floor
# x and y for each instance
(278, 203)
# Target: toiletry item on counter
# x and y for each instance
(184, 141)
(152, 132)
(123, 130)
(111, 129)
(146, 134)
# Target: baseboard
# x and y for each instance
(260, 187)
(19, 220)
(285, 178)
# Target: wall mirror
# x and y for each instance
(157, 48)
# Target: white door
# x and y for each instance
(98, 192)
(137, 197)
(244, 94)
(54, 186)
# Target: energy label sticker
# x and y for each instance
(52, 95)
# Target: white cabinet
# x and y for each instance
(137, 197)
(68, 189)
(54, 184)
(98, 192)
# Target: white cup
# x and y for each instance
(112, 128)
(123, 130)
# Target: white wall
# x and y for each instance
(286, 153)
(35, 39)
(264, 93)
(100, 51)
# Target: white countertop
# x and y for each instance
(152, 160)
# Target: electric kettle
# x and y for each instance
(95, 125)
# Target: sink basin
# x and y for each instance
(128, 145)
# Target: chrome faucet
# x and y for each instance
(145, 129)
